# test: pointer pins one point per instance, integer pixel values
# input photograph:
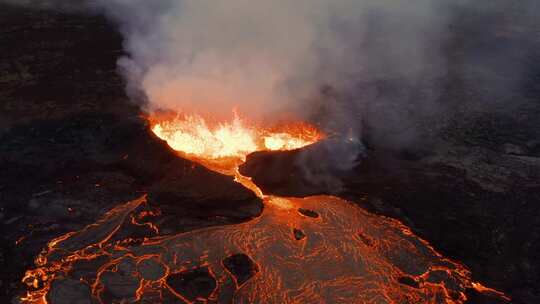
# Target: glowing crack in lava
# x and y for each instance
(318, 249)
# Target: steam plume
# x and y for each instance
(392, 66)
(265, 57)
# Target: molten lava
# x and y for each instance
(194, 136)
(319, 249)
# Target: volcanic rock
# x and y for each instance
(184, 191)
(476, 297)
(151, 269)
(308, 213)
(69, 291)
(509, 148)
(87, 269)
(120, 284)
(241, 266)
(298, 234)
(268, 170)
(409, 281)
(193, 284)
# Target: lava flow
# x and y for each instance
(318, 249)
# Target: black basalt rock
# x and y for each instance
(193, 284)
(308, 213)
(299, 234)
(241, 266)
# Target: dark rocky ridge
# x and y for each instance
(73, 146)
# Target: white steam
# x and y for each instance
(265, 58)
(398, 68)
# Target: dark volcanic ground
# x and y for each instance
(72, 147)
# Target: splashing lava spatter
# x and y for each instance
(318, 249)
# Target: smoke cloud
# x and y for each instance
(212, 56)
(270, 58)
(277, 59)
(387, 70)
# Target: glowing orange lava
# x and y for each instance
(318, 249)
(195, 136)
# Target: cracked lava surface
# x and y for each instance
(318, 249)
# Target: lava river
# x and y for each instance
(318, 249)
